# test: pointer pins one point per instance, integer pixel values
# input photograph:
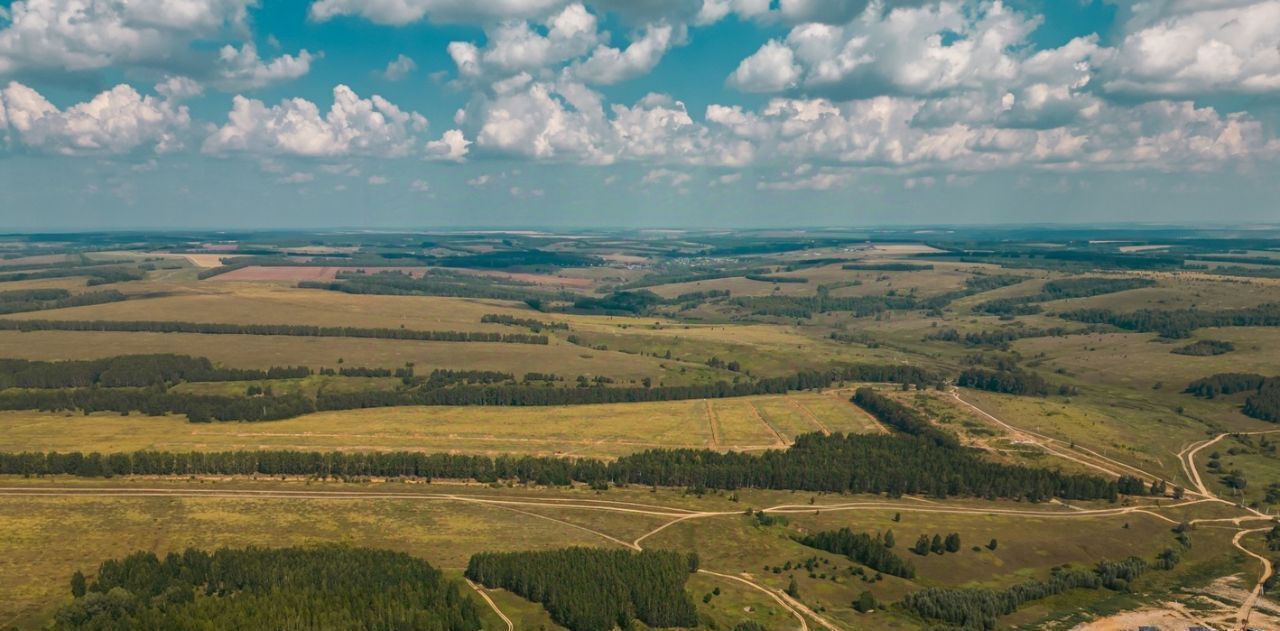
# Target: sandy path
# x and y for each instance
(492, 605)
(1093, 459)
(1246, 608)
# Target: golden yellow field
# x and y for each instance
(267, 303)
(608, 430)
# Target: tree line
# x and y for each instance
(978, 608)
(301, 330)
(536, 326)
(887, 267)
(893, 464)
(937, 545)
(98, 274)
(198, 408)
(593, 589)
(530, 395)
(437, 283)
(870, 550)
(138, 384)
(10, 305)
(1263, 402)
(326, 587)
(972, 286)
(130, 371)
(1015, 381)
(1062, 290)
(1002, 337)
(771, 278)
(806, 306)
(1178, 323)
(1205, 348)
(901, 417)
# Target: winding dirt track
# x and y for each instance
(1246, 608)
(799, 610)
(1093, 460)
(1187, 459)
(677, 515)
(492, 605)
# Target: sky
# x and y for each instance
(128, 114)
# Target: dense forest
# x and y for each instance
(129, 371)
(198, 408)
(901, 417)
(977, 608)
(523, 395)
(857, 463)
(1205, 348)
(24, 300)
(872, 551)
(806, 306)
(1002, 337)
(137, 383)
(1014, 381)
(1060, 290)
(330, 587)
(503, 259)
(1178, 323)
(1262, 403)
(98, 274)
(887, 267)
(437, 283)
(593, 589)
(301, 330)
(529, 323)
(1063, 260)
(771, 278)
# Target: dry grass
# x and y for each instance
(297, 273)
(608, 431)
(261, 351)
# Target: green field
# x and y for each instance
(50, 536)
(1113, 405)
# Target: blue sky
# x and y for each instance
(733, 113)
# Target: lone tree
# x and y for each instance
(922, 545)
(866, 602)
(77, 584)
(936, 546)
(793, 590)
(952, 543)
(992, 545)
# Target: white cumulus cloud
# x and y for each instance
(452, 146)
(399, 12)
(92, 34)
(352, 126)
(1189, 49)
(241, 68)
(116, 121)
(399, 68)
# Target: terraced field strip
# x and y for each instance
(711, 422)
(836, 415)
(871, 419)
(804, 411)
(789, 421)
(755, 411)
(740, 426)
